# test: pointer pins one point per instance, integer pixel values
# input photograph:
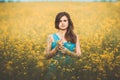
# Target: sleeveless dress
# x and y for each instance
(61, 66)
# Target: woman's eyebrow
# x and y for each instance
(63, 20)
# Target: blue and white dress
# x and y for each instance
(61, 66)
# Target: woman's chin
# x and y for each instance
(63, 29)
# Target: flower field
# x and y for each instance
(24, 28)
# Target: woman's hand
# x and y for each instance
(63, 50)
(59, 45)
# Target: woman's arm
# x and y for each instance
(77, 52)
(48, 52)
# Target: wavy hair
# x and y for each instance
(69, 35)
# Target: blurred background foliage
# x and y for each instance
(24, 28)
(58, 0)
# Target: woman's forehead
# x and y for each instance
(63, 17)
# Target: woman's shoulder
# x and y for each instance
(50, 36)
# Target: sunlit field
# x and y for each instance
(24, 28)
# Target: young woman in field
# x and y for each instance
(62, 47)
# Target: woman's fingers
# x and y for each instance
(60, 42)
(60, 47)
(63, 50)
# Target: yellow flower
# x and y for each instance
(24, 73)
(10, 62)
(40, 64)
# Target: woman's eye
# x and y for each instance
(65, 20)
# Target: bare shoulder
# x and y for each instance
(49, 38)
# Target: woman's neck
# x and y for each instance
(61, 33)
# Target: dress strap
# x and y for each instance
(55, 37)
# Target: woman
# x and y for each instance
(62, 47)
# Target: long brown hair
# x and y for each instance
(69, 35)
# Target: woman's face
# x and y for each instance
(63, 24)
